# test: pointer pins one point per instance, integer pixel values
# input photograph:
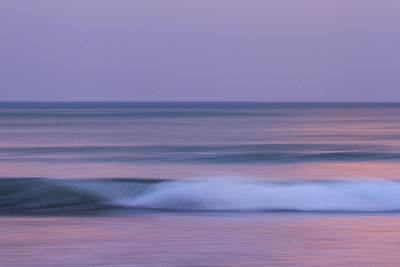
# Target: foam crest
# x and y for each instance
(234, 195)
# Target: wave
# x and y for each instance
(214, 154)
(27, 195)
(62, 195)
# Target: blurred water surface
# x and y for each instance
(201, 240)
(181, 140)
(199, 184)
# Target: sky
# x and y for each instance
(200, 50)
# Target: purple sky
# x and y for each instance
(200, 50)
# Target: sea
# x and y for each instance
(199, 184)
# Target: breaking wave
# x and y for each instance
(38, 195)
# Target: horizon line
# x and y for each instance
(187, 101)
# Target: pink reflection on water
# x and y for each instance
(201, 240)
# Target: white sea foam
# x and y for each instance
(240, 195)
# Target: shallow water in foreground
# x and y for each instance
(201, 240)
(220, 184)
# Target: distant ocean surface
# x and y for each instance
(117, 173)
(182, 140)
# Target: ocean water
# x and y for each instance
(199, 184)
